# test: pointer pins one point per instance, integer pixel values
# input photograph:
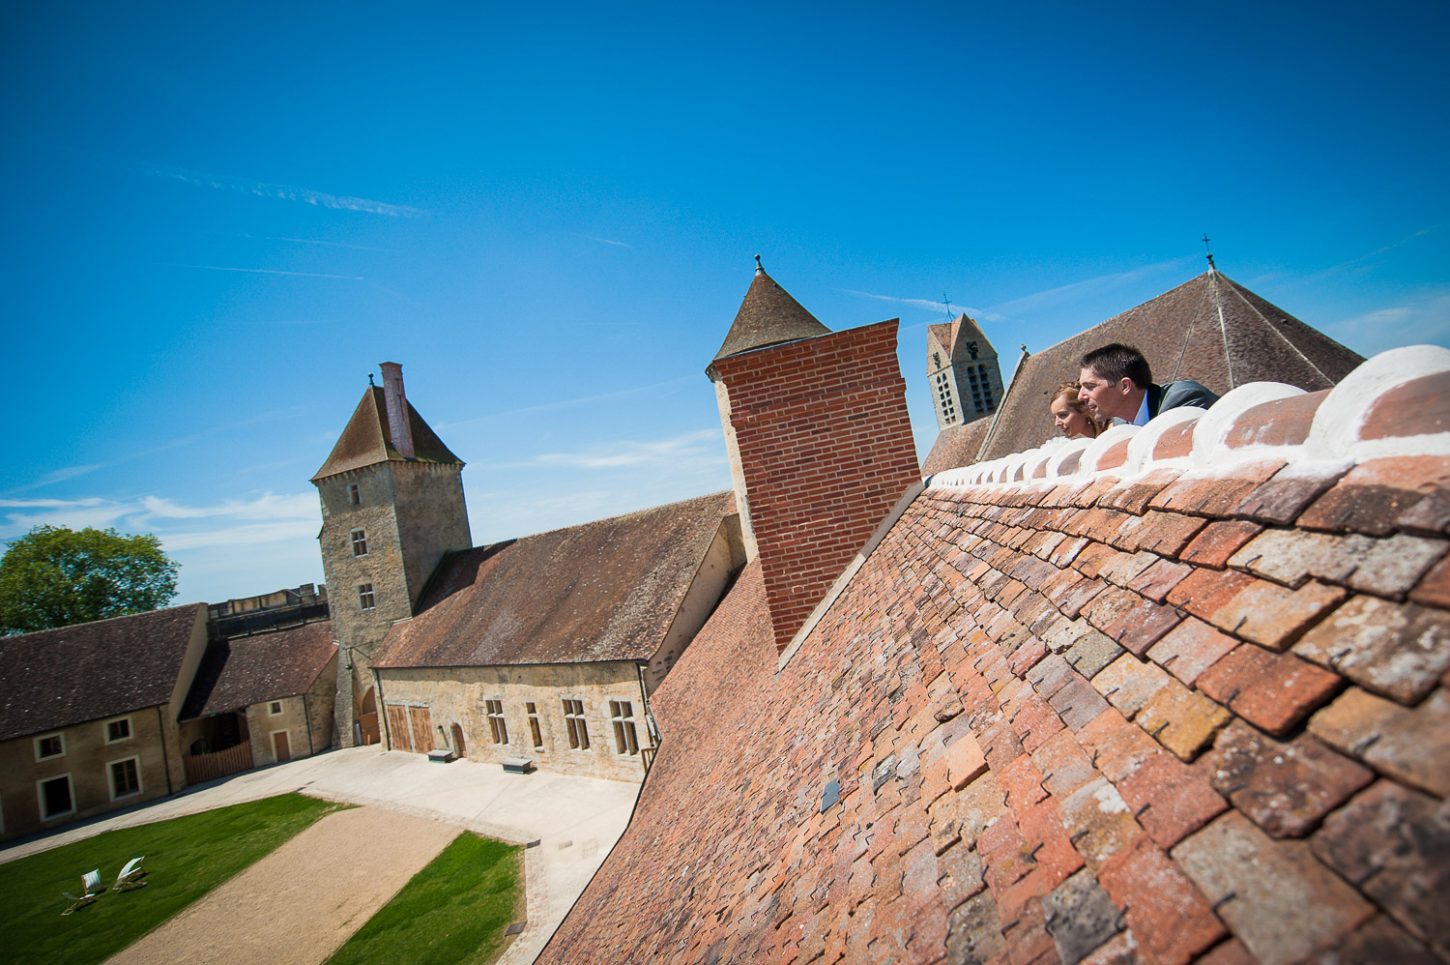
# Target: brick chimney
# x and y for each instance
(819, 441)
(400, 427)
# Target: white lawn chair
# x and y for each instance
(131, 876)
(91, 882)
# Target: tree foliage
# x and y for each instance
(54, 577)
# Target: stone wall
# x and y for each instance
(87, 760)
(457, 695)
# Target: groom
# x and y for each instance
(1116, 383)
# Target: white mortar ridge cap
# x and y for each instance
(1340, 418)
(1333, 441)
(1211, 433)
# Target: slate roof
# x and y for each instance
(768, 316)
(237, 673)
(56, 678)
(956, 446)
(367, 440)
(607, 590)
(1178, 692)
(1210, 329)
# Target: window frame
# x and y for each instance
(40, 796)
(135, 761)
(275, 708)
(107, 725)
(498, 727)
(626, 735)
(359, 539)
(59, 735)
(577, 723)
(536, 730)
(367, 598)
(354, 495)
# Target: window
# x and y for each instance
(118, 730)
(125, 778)
(621, 713)
(578, 729)
(497, 726)
(51, 745)
(275, 708)
(534, 731)
(365, 598)
(55, 797)
(359, 542)
(353, 496)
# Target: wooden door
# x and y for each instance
(422, 729)
(398, 735)
(281, 746)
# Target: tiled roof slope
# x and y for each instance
(768, 316)
(367, 440)
(55, 678)
(606, 590)
(1178, 694)
(235, 674)
(956, 446)
(1210, 329)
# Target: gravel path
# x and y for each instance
(302, 901)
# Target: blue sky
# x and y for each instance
(222, 218)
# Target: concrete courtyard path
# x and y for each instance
(575, 820)
(302, 901)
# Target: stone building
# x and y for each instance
(547, 648)
(1177, 693)
(963, 370)
(258, 700)
(88, 717)
(392, 506)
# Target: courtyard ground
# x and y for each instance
(574, 820)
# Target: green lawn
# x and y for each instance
(454, 910)
(185, 858)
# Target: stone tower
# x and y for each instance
(819, 442)
(392, 505)
(966, 379)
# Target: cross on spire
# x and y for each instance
(1209, 250)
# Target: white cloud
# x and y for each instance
(1422, 320)
(1026, 304)
(686, 451)
(605, 241)
(929, 305)
(275, 271)
(283, 192)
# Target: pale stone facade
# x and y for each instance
(91, 768)
(304, 720)
(460, 695)
(964, 372)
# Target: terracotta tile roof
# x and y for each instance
(606, 590)
(768, 316)
(1137, 705)
(367, 440)
(269, 666)
(1210, 329)
(56, 678)
(956, 446)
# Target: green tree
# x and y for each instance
(54, 577)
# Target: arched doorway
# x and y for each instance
(367, 718)
(459, 750)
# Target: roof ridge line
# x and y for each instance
(1273, 328)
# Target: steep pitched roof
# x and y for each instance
(956, 446)
(55, 678)
(607, 590)
(955, 336)
(1145, 704)
(367, 440)
(1210, 329)
(768, 316)
(235, 674)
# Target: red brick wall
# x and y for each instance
(826, 450)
